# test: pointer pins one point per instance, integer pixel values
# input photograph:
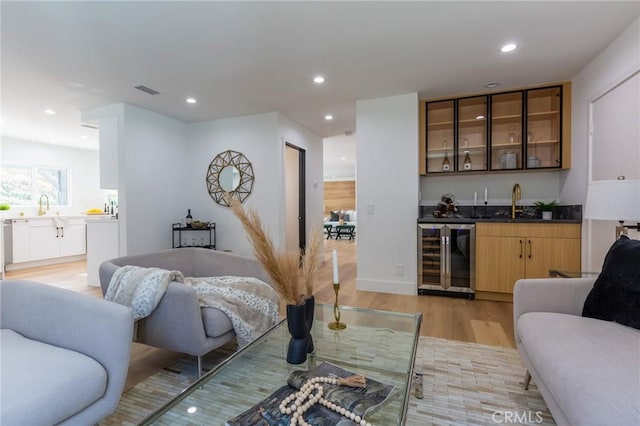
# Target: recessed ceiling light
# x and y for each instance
(509, 47)
(479, 117)
(343, 158)
(328, 117)
(318, 79)
(85, 137)
(491, 85)
(192, 410)
(49, 111)
(191, 100)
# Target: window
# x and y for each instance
(23, 185)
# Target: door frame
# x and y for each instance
(302, 203)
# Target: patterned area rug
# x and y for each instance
(463, 384)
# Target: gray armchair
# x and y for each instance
(64, 355)
(179, 323)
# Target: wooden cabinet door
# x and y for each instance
(499, 263)
(543, 254)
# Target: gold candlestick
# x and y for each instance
(337, 325)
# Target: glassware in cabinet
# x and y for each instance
(472, 133)
(506, 131)
(544, 123)
(440, 136)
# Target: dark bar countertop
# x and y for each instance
(501, 214)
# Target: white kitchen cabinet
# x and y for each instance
(20, 238)
(39, 239)
(43, 240)
(102, 245)
(73, 241)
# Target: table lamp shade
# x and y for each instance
(613, 200)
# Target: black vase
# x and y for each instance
(299, 330)
(310, 304)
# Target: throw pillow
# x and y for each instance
(334, 216)
(345, 217)
(615, 295)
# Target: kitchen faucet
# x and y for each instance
(41, 210)
(516, 195)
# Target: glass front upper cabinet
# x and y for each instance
(525, 129)
(440, 136)
(472, 134)
(543, 136)
(506, 131)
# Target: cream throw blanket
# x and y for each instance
(251, 304)
(140, 288)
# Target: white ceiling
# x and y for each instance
(240, 58)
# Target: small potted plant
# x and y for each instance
(546, 208)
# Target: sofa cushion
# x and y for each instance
(616, 292)
(334, 216)
(45, 384)
(589, 366)
(216, 323)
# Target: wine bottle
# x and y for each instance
(446, 166)
(189, 218)
(466, 164)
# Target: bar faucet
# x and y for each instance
(516, 195)
(41, 210)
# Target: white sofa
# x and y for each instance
(64, 355)
(587, 370)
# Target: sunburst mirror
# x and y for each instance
(230, 172)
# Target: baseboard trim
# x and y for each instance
(393, 287)
(43, 262)
(495, 297)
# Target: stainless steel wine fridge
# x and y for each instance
(446, 259)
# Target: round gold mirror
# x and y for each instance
(229, 172)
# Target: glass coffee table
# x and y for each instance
(377, 344)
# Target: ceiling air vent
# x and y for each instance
(148, 90)
(89, 126)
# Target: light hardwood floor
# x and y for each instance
(478, 321)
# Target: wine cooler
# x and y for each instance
(446, 259)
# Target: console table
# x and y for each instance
(191, 239)
(377, 344)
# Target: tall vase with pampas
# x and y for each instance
(293, 278)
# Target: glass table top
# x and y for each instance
(380, 345)
(558, 273)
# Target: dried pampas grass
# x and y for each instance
(292, 280)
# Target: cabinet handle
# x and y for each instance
(62, 232)
(521, 249)
(530, 249)
(57, 232)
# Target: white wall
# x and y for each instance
(255, 136)
(619, 60)
(85, 188)
(387, 176)
(261, 138)
(153, 186)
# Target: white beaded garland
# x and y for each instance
(306, 393)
